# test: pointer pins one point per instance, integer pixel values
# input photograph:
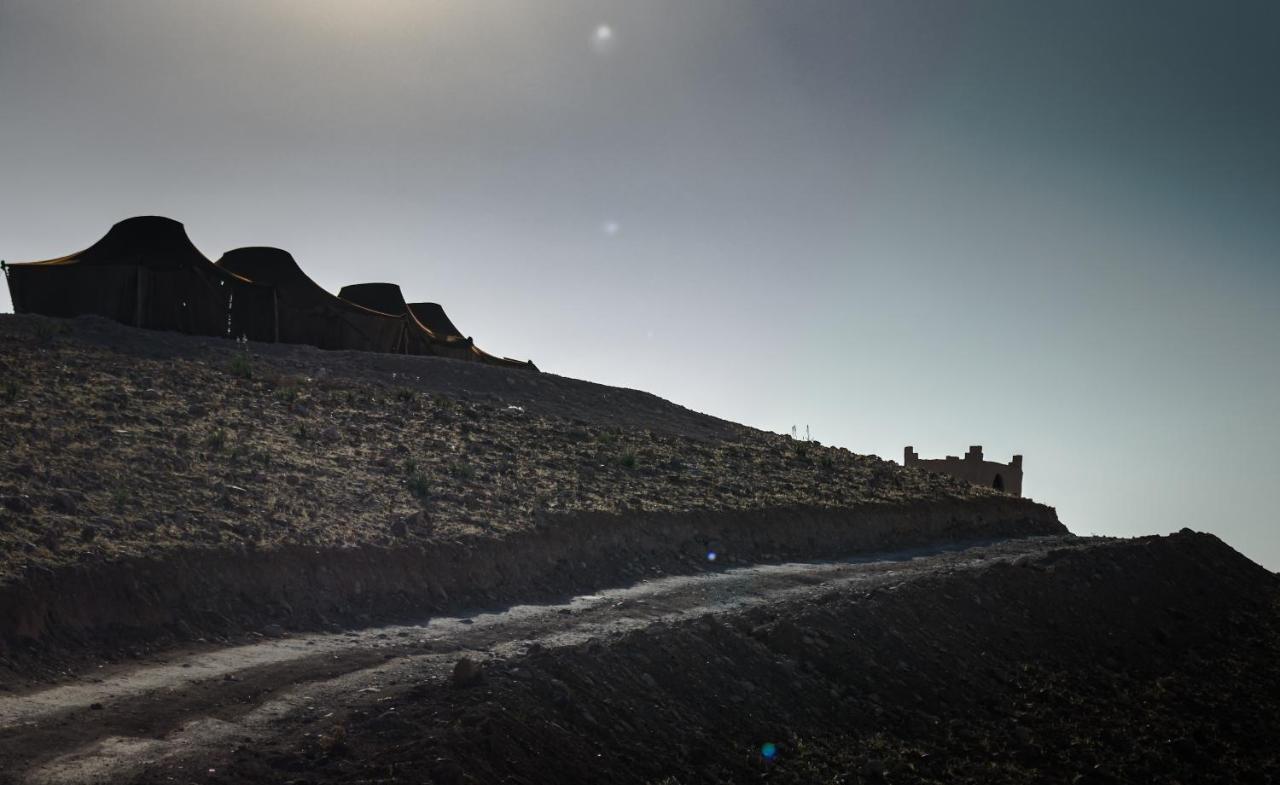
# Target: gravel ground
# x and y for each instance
(119, 442)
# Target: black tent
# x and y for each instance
(307, 313)
(435, 319)
(145, 272)
(422, 339)
(419, 339)
(432, 315)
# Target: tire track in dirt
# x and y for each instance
(197, 705)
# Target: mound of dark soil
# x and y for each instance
(1143, 661)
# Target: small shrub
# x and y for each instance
(418, 486)
(405, 394)
(628, 460)
(285, 395)
(410, 466)
(301, 433)
(463, 471)
(240, 366)
(216, 440)
(120, 497)
(11, 392)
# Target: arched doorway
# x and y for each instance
(999, 483)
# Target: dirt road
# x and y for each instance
(183, 714)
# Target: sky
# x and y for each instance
(1048, 228)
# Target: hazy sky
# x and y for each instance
(1047, 228)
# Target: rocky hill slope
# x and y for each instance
(155, 485)
(199, 541)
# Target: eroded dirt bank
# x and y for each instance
(142, 604)
(182, 710)
(1141, 661)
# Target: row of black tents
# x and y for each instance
(147, 273)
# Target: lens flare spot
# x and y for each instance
(711, 555)
(769, 750)
(602, 39)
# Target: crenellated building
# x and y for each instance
(972, 468)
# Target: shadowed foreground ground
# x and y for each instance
(1147, 661)
(1044, 659)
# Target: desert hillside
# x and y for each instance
(260, 563)
(124, 442)
(306, 487)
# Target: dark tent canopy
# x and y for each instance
(387, 298)
(433, 335)
(435, 319)
(307, 313)
(145, 272)
(432, 315)
(384, 297)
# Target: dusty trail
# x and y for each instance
(189, 711)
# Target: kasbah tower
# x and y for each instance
(972, 468)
